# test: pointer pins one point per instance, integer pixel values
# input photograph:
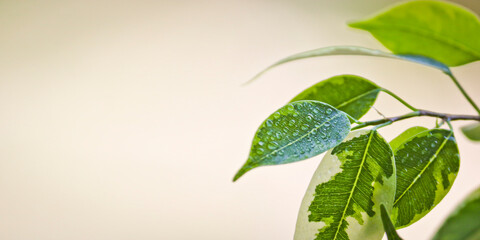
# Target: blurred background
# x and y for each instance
(127, 119)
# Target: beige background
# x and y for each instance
(126, 119)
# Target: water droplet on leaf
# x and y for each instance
(269, 123)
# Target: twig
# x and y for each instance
(444, 116)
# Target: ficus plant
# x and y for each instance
(365, 185)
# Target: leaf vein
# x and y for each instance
(300, 138)
(425, 168)
(356, 98)
(354, 185)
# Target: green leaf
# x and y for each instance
(427, 164)
(388, 225)
(463, 223)
(354, 50)
(295, 132)
(344, 196)
(406, 135)
(472, 131)
(443, 31)
(351, 94)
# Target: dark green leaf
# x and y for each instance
(472, 131)
(443, 31)
(406, 135)
(388, 225)
(427, 165)
(344, 196)
(464, 222)
(351, 94)
(354, 50)
(297, 131)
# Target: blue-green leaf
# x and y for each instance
(344, 196)
(355, 50)
(351, 94)
(427, 164)
(443, 31)
(472, 131)
(295, 132)
(464, 222)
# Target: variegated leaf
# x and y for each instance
(427, 164)
(344, 196)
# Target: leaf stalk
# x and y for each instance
(465, 94)
(399, 99)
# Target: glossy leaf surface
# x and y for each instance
(472, 131)
(406, 135)
(359, 51)
(464, 222)
(427, 165)
(297, 131)
(388, 225)
(344, 196)
(351, 94)
(443, 31)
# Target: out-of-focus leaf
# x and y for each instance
(464, 222)
(443, 31)
(297, 131)
(344, 196)
(406, 135)
(388, 225)
(472, 131)
(355, 50)
(351, 94)
(427, 164)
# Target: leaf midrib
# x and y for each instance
(357, 97)
(430, 161)
(300, 138)
(354, 185)
(471, 233)
(429, 34)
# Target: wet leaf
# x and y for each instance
(406, 135)
(295, 132)
(427, 164)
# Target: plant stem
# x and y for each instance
(464, 93)
(444, 116)
(449, 124)
(399, 99)
(382, 125)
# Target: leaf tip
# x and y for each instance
(251, 80)
(242, 171)
(255, 77)
(356, 24)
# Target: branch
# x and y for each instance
(444, 116)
